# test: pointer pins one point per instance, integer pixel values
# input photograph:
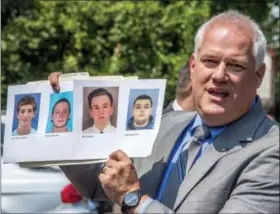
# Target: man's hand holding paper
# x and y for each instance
(119, 176)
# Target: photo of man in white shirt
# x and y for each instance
(100, 103)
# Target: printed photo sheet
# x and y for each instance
(84, 122)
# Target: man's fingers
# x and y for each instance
(111, 163)
(108, 175)
(104, 179)
(119, 155)
(54, 80)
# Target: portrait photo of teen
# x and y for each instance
(26, 113)
(100, 110)
(60, 113)
(142, 109)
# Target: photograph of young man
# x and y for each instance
(60, 115)
(142, 117)
(101, 109)
(26, 108)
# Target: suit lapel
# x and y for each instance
(169, 140)
(228, 142)
(166, 141)
(161, 155)
(205, 163)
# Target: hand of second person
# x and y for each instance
(54, 80)
(119, 176)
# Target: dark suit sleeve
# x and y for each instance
(85, 179)
(257, 188)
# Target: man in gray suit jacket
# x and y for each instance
(236, 169)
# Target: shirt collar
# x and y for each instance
(104, 130)
(215, 131)
(176, 106)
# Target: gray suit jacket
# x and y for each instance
(168, 108)
(238, 174)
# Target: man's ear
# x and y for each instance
(192, 63)
(260, 74)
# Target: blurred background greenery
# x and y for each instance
(150, 39)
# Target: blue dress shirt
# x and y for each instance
(182, 144)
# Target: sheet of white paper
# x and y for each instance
(78, 146)
(105, 77)
(37, 146)
(72, 76)
(137, 143)
(131, 77)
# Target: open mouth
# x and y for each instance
(218, 93)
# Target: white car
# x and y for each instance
(30, 190)
(37, 190)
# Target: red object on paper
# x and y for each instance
(70, 195)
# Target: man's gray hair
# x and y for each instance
(240, 20)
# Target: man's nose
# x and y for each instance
(220, 73)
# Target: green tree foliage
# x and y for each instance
(149, 39)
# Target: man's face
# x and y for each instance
(60, 115)
(142, 111)
(25, 115)
(101, 110)
(224, 77)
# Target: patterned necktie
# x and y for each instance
(184, 162)
(195, 148)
